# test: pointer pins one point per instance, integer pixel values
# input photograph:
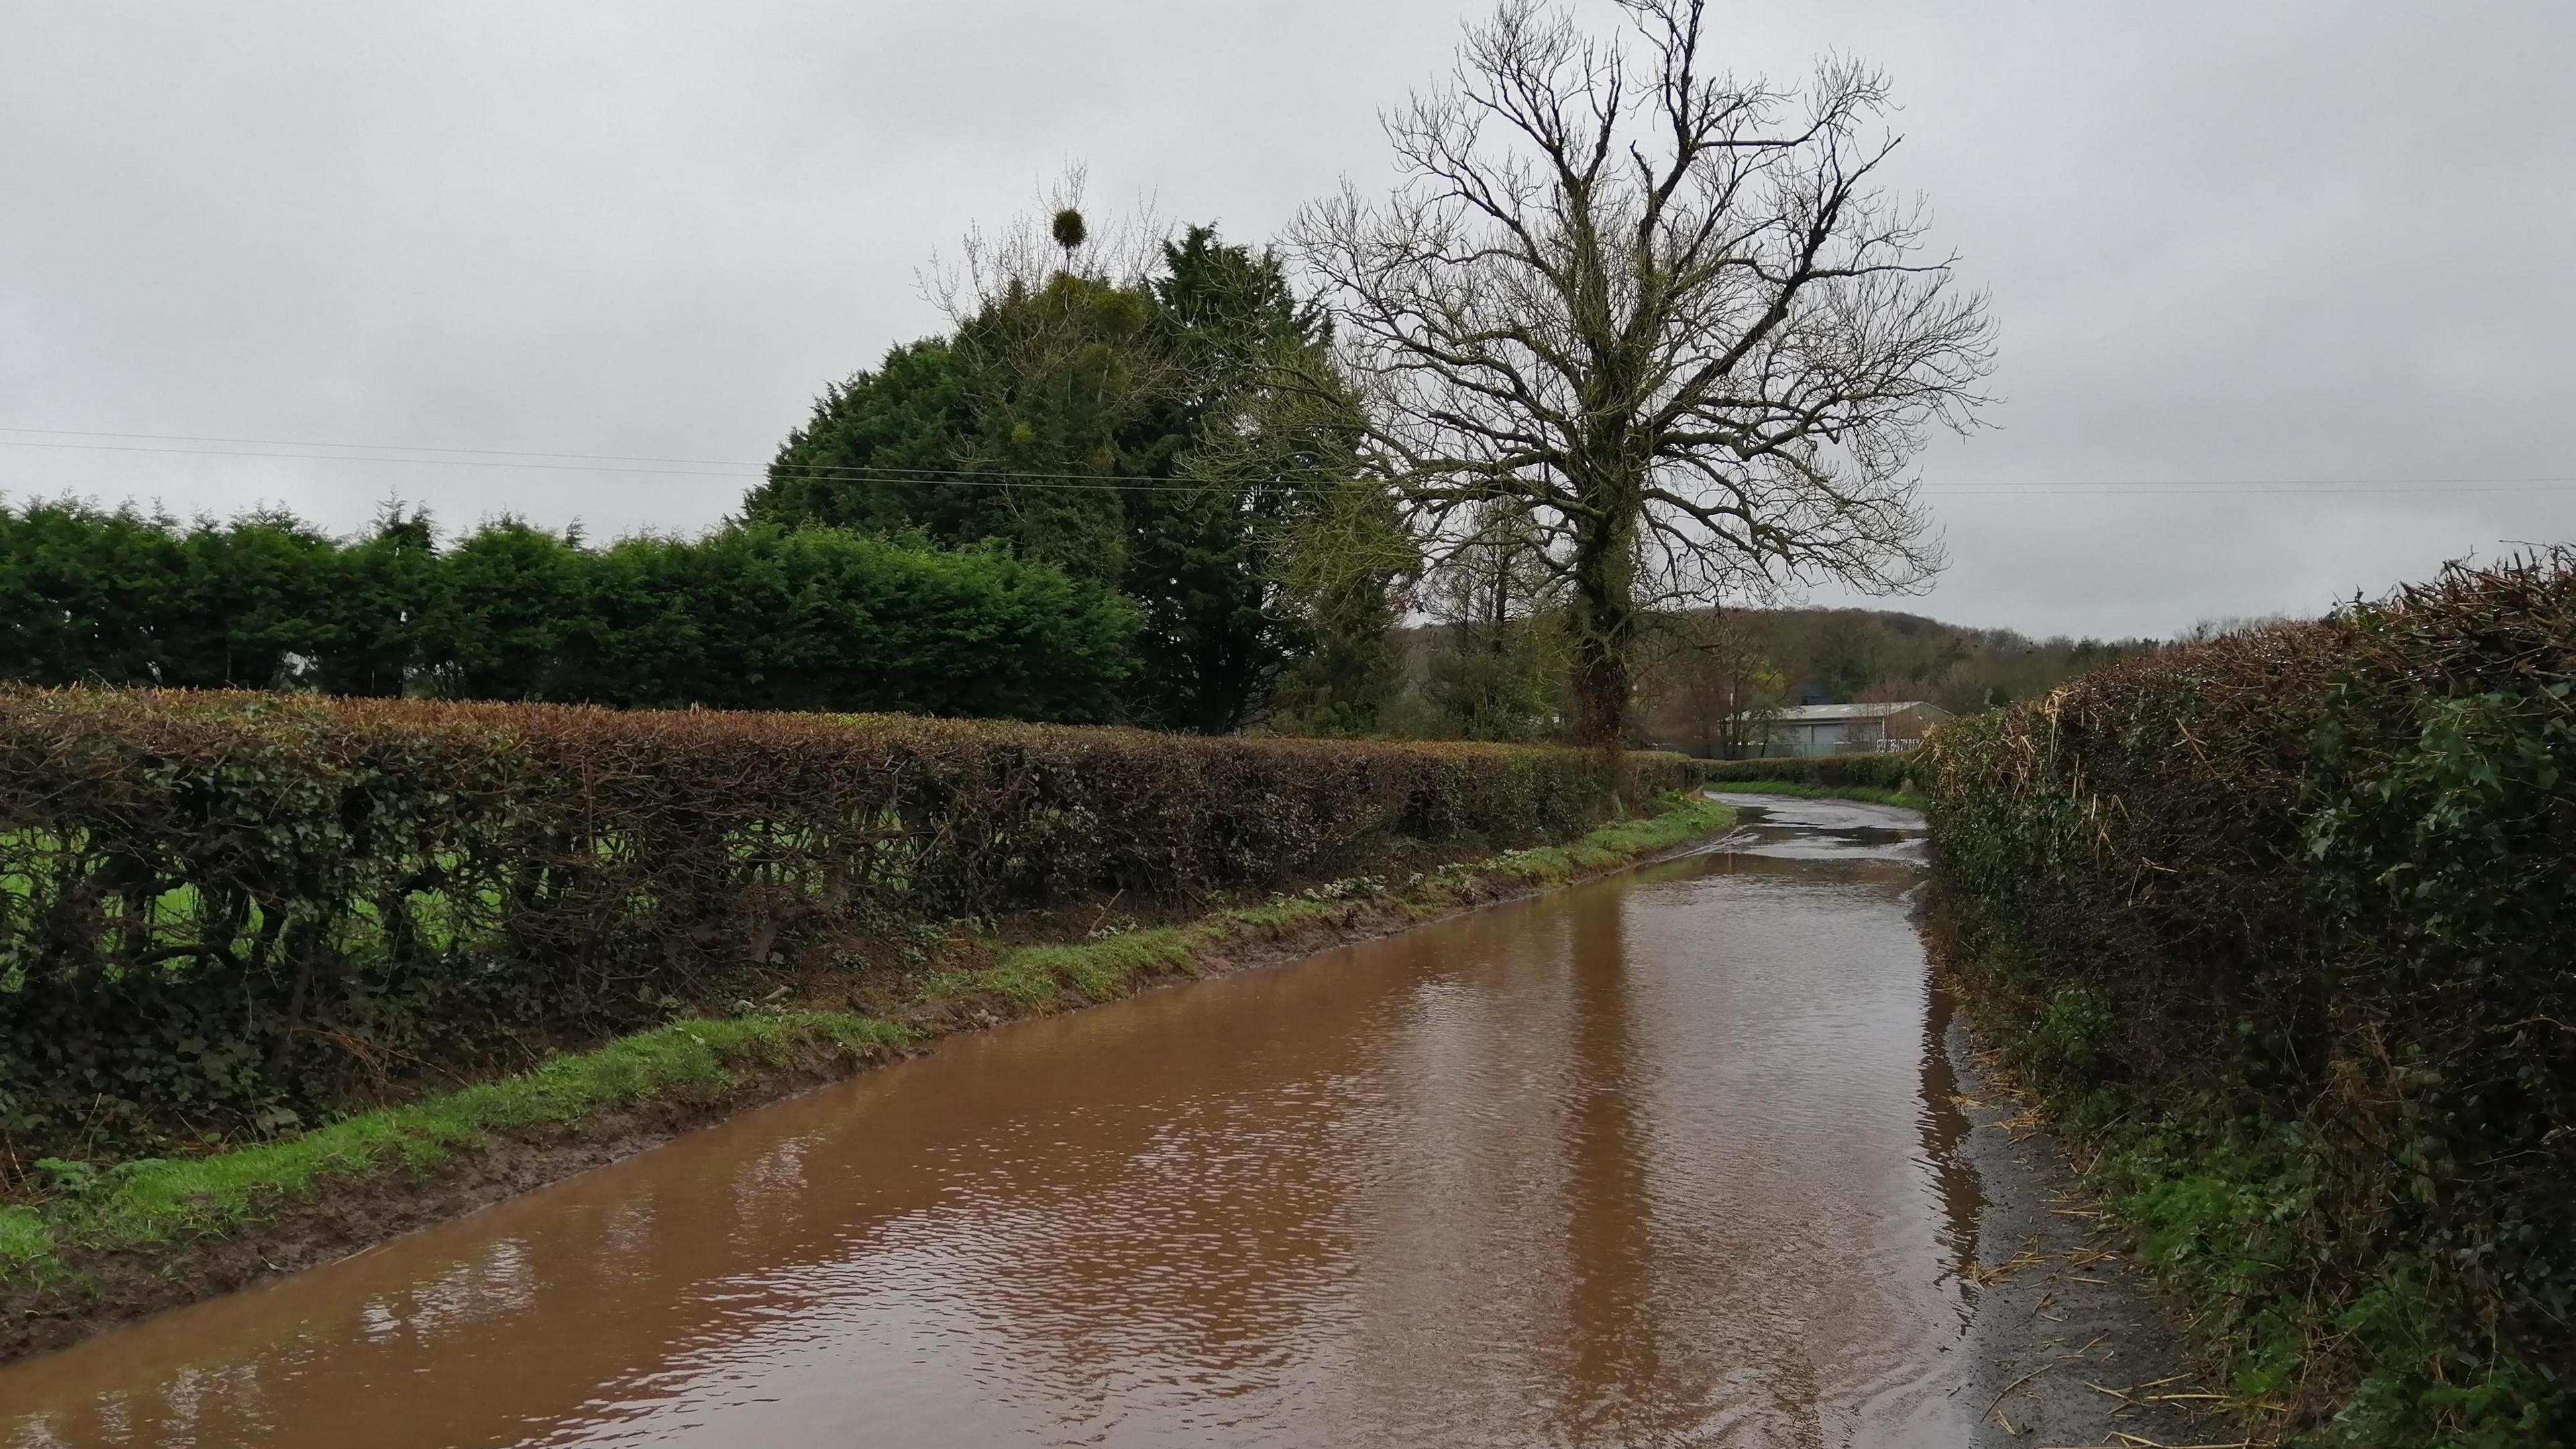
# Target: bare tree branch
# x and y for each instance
(1668, 318)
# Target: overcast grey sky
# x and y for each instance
(2228, 242)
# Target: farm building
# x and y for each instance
(1851, 729)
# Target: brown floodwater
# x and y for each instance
(1669, 1158)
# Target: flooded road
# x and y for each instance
(1668, 1158)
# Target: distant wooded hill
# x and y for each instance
(1839, 655)
(1708, 676)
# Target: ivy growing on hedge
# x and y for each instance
(223, 913)
(2286, 917)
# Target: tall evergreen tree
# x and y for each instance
(881, 453)
(387, 588)
(1116, 430)
(84, 594)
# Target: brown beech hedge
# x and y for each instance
(222, 912)
(2294, 911)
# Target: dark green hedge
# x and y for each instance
(748, 617)
(1892, 771)
(2299, 908)
(231, 911)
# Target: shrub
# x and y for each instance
(230, 911)
(2308, 892)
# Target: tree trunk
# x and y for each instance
(1604, 610)
(1601, 686)
(1604, 604)
(1601, 710)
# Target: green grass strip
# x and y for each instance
(1033, 977)
(1688, 818)
(1805, 791)
(143, 1203)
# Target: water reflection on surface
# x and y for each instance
(1665, 1159)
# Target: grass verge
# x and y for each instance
(1046, 977)
(152, 1202)
(163, 1207)
(1805, 791)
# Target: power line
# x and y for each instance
(370, 447)
(731, 467)
(2287, 487)
(963, 477)
(977, 477)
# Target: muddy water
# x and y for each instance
(1665, 1159)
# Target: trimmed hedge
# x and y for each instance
(751, 616)
(229, 912)
(2287, 916)
(1892, 771)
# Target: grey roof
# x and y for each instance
(1826, 713)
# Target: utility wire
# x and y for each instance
(963, 477)
(976, 477)
(2288, 488)
(369, 447)
(732, 467)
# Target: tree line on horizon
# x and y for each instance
(768, 615)
(764, 615)
(1710, 682)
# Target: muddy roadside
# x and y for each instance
(2069, 1344)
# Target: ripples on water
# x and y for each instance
(1664, 1159)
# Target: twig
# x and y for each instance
(2128, 1395)
(353, 1257)
(2017, 1383)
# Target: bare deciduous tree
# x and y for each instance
(1669, 316)
(1714, 690)
(1496, 671)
